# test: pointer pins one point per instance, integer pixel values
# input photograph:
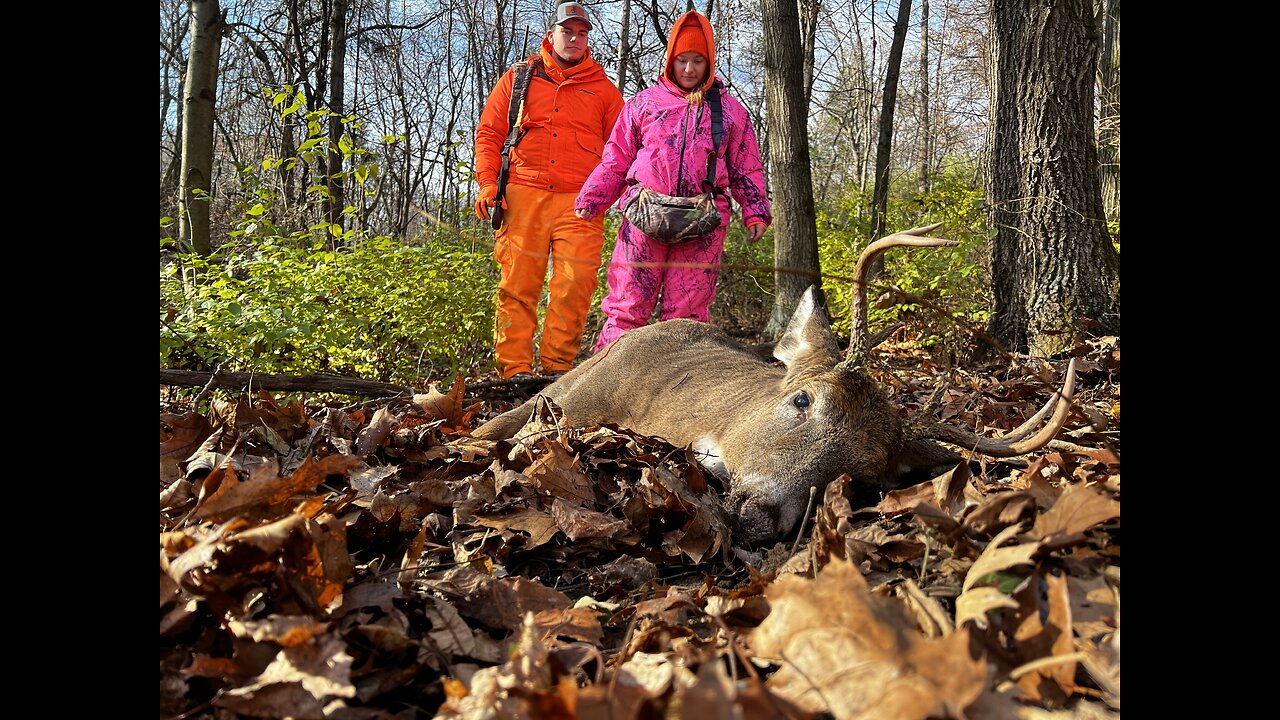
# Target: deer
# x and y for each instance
(774, 433)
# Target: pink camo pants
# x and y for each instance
(641, 269)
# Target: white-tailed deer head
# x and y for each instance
(772, 432)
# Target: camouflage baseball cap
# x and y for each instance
(566, 11)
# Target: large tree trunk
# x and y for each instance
(198, 99)
(884, 146)
(795, 234)
(1055, 274)
(1109, 122)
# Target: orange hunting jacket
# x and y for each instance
(568, 117)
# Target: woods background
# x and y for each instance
(329, 228)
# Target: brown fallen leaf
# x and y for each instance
(580, 524)
(498, 603)
(307, 681)
(442, 405)
(905, 500)
(375, 433)
(556, 473)
(266, 489)
(283, 630)
(180, 435)
(524, 687)
(710, 697)
(578, 623)
(1076, 510)
(855, 655)
(996, 558)
(540, 526)
(999, 511)
(1044, 642)
(949, 489)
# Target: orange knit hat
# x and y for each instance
(690, 39)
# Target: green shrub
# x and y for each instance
(953, 278)
(380, 310)
(281, 296)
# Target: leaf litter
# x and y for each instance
(380, 563)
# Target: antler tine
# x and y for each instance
(1014, 443)
(913, 237)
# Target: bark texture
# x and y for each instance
(884, 145)
(198, 98)
(795, 230)
(1055, 273)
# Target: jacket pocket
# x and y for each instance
(591, 144)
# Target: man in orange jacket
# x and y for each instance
(568, 116)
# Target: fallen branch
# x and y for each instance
(286, 383)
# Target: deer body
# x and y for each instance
(772, 432)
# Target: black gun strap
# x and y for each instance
(717, 133)
(521, 75)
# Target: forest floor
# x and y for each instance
(374, 561)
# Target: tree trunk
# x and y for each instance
(336, 202)
(925, 133)
(867, 71)
(198, 99)
(1055, 274)
(884, 145)
(796, 234)
(1109, 122)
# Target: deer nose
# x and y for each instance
(757, 518)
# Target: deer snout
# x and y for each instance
(763, 514)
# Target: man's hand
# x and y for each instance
(485, 200)
(755, 231)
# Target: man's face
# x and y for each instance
(569, 41)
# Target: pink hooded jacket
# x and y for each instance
(661, 142)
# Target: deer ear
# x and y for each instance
(808, 341)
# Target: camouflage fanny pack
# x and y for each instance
(672, 220)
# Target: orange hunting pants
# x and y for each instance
(541, 223)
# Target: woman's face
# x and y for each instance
(690, 69)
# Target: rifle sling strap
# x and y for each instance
(717, 133)
(522, 74)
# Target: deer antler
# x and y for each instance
(1015, 442)
(912, 237)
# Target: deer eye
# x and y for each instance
(801, 400)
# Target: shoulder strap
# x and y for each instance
(522, 72)
(717, 133)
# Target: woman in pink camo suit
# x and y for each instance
(645, 149)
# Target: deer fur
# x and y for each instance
(772, 432)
